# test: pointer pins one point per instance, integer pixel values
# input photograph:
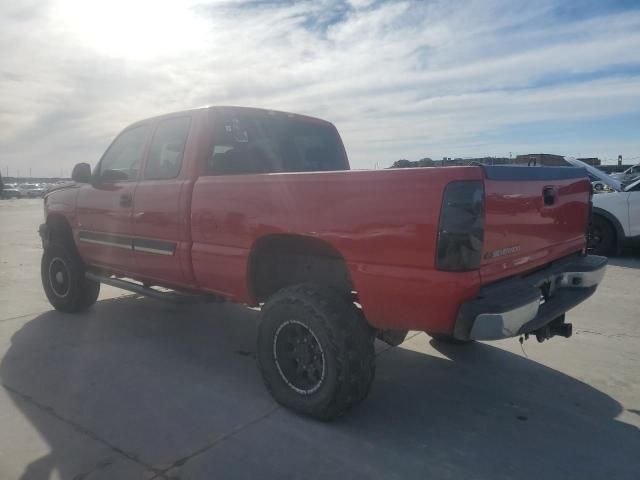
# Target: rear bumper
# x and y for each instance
(524, 304)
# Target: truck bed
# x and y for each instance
(385, 226)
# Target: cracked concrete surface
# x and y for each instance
(136, 389)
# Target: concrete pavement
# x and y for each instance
(138, 389)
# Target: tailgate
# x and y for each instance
(533, 215)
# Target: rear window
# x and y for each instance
(263, 142)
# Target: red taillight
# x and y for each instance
(461, 227)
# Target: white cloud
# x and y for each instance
(400, 79)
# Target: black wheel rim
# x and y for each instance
(595, 237)
(59, 277)
(299, 357)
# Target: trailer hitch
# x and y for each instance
(557, 326)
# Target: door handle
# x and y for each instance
(125, 200)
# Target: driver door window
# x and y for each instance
(104, 207)
(122, 160)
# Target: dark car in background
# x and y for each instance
(10, 192)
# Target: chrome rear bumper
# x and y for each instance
(523, 305)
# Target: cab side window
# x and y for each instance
(243, 144)
(121, 162)
(167, 149)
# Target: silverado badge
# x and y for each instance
(501, 252)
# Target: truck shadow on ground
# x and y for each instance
(630, 258)
(176, 389)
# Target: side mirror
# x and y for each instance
(81, 173)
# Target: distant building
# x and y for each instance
(534, 159)
(546, 159)
(593, 161)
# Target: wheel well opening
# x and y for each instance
(278, 261)
(59, 230)
(608, 221)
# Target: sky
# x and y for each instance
(400, 79)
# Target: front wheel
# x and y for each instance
(64, 281)
(315, 351)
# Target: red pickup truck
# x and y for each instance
(260, 207)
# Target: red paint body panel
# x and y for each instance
(515, 215)
(160, 213)
(383, 223)
(99, 210)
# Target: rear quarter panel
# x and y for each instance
(384, 223)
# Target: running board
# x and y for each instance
(170, 296)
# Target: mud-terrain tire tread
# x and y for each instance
(348, 339)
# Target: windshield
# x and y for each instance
(597, 174)
(635, 170)
(632, 186)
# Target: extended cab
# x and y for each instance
(260, 207)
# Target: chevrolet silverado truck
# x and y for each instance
(260, 207)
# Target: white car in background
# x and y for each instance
(615, 217)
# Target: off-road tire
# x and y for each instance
(449, 339)
(70, 291)
(346, 341)
(602, 237)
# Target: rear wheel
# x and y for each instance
(602, 238)
(64, 281)
(315, 351)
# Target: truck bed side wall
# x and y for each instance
(384, 223)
